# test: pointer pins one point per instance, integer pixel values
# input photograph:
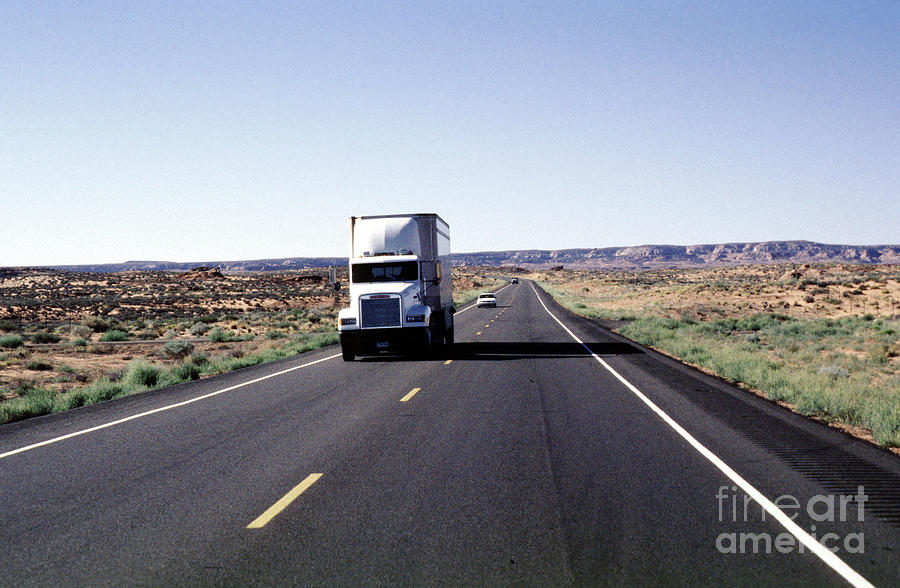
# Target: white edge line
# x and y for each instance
(160, 409)
(826, 555)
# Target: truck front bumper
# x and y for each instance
(372, 341)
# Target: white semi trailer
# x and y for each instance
(401, 295)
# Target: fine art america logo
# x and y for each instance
(738, 508)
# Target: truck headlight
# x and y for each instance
(348, 321)
(415, 318)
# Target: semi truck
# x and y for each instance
(401, 297)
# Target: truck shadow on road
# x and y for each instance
(511, 350)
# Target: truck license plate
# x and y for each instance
(381, 345)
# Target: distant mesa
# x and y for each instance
(691, 256)
(255, 265)
(610, 258)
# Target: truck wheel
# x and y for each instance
(448, 331)
(425, 342)
(437, 336)
(348, 348)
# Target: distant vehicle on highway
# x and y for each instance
(400, 285)
(515, 280)
(487, 300)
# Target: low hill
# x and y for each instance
(626, 258)
(256, 265)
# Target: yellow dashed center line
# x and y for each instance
(288, 498)
(448, 362)
(410, 395)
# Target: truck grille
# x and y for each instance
(380, 312)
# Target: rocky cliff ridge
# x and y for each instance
(626, 258)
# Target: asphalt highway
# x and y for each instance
(541, 450)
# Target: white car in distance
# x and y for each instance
(487, 300)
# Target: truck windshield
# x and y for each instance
(405, 271)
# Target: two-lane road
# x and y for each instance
(542, 450)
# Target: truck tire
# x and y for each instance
(425, 342)
(448, 331)
(348, 347)
(437, 336)
(428, 339)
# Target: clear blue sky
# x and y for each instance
(188, 131)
